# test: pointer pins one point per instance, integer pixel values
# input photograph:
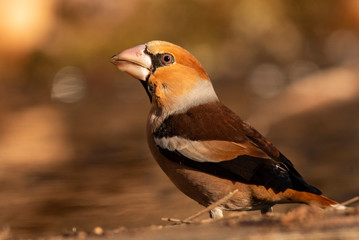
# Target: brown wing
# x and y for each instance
(213, 139)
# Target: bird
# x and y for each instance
(204, 148)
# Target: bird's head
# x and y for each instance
(172, 77)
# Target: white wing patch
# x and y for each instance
(195, 150)
(206, 151)
(209, 150)
(172, 143)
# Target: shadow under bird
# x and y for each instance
(204, 148)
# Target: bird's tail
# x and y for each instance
(313, 199)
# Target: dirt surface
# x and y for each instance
(304, 222)
(301, 223)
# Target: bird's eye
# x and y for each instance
(167, 58)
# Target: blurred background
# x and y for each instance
(73, 152)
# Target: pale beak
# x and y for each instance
(134, 61)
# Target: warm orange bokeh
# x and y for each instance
(24, 25)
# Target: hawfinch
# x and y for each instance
(204, 148)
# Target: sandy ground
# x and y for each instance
(304, 222)
(301, 223)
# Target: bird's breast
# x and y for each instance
(201, 187)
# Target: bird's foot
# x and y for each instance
(216, 213)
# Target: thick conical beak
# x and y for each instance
(134, 61)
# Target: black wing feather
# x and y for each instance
(262, 171)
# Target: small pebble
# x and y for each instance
(98, 231)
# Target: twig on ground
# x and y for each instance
(174, 220)
(212, 206)
(350, 201)
(207, 209)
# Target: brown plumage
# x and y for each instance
(203, 147)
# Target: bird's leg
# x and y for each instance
(267, 210)
(216, 213)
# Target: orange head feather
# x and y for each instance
(173, 78)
